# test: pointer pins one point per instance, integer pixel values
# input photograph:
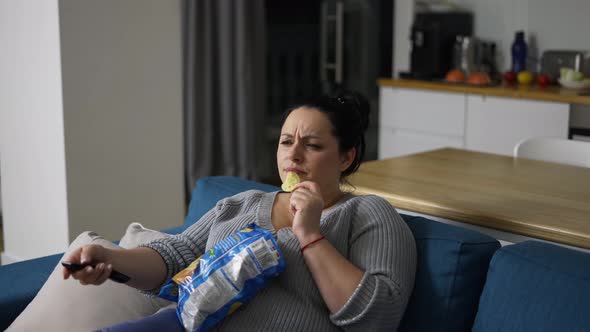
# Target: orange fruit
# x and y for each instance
(455, 76)
(479, 78)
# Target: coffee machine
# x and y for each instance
(433, 37)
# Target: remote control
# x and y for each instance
(115, 276)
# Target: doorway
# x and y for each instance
(316, 46)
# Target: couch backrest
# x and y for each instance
(209, 190)
(451, 272)
(535, 286)
(452, 261)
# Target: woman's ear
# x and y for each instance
(347, 158)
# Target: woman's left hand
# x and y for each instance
(306, 205)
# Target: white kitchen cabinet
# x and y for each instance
(399, 142)
(496, 125)
(413, 120)
(423, 111)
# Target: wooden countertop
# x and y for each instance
(533, 92)
(533, 198)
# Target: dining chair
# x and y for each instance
(558, 150)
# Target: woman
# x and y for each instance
(350, 259)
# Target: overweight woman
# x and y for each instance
(351, 260)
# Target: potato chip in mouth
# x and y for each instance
(290, 182)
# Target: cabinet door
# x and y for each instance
(399, 142)
(423, 111)
(496, 125)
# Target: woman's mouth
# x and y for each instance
(294, 170)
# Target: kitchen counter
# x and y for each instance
(533, 92)
(533, 198)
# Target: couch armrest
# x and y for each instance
(20, 283)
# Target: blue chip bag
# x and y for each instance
(224, 278)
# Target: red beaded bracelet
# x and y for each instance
(312, 242)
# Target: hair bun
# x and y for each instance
(358, 103)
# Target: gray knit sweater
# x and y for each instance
(365, 229)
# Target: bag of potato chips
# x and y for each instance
(224, 277)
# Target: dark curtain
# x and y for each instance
(224, 87)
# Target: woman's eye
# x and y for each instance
(285, 142)
(314, 146)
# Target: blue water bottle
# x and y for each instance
(519, 52)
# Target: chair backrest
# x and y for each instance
(558, 150)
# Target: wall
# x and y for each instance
(548, 24)
(91, 120)
(123, 114)
(31, 129)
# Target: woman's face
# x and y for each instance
(308, 148)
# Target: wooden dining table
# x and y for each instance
(532, 198)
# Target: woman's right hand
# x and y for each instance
(99, 256)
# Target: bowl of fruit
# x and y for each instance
(572, 79)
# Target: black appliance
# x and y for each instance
(433, 37)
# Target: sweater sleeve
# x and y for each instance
(180, 250)
(382, 245)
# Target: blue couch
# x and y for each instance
(464, 280)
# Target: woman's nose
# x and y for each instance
(294, 152)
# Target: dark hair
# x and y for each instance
(348, 112)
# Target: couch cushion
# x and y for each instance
(209, 190)
(535, 286)
(451, 271)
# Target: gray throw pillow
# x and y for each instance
(65, 305)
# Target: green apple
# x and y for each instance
(567, 74)
(563, 72)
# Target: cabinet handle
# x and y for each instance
(339, 40)
(338, 20)
(323, 42)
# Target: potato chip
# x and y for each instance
(290, 182)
